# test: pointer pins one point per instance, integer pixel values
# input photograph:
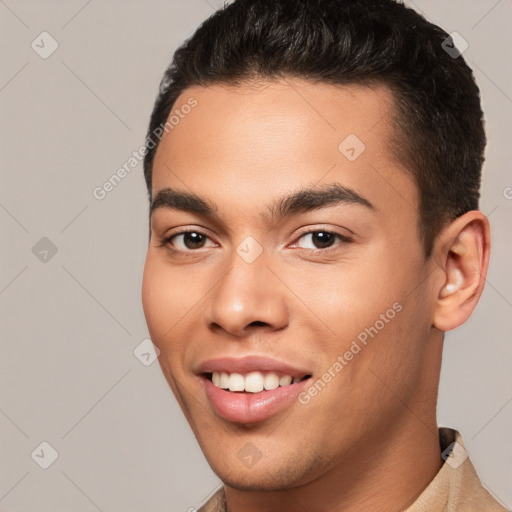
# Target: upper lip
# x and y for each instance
(250, 364)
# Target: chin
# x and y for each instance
(256, 482)
(283, 473)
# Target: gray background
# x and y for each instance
(69, 324)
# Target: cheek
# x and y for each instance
(168, 306)
(351, 297)
(372, 318)
(151, 295)
(160, 300)
(171, 291)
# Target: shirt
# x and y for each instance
(455, 488)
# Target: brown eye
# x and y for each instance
(193, 240)
(320, 239)
(186, 241)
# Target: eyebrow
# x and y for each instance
(301, 201)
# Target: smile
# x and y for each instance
(253, 382)
(250, 389)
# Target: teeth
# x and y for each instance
(223, 380)
(253, 382)
(285, 380)
(236, 382)
(271, 381)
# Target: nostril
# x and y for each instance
(257, 323)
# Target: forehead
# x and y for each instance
(252, 142)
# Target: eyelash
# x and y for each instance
(166, 242)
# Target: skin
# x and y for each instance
(369, 440)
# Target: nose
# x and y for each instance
(249, 298)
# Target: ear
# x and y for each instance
(462, 251)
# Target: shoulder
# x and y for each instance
(456, 487)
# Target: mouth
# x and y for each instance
(253, 397)
(252, 388)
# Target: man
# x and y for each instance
(313, 171)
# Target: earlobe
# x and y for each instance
(463, 249)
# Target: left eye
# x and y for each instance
(321, 239)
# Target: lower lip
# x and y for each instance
(250, 407)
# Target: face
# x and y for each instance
(286, 253)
